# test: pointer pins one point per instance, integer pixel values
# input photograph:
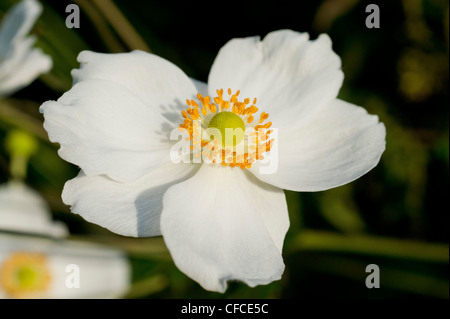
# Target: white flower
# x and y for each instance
(37, 267)
(220, 222)
(20, 63)
(24, 210)
(34, 257)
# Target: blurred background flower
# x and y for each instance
(22, 209)
(40, 267)
(20, 63)
(394, 217)
(36, 258)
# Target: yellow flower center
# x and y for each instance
(24, 274)
(243, 139)
(231, 127)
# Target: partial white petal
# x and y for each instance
(19, 63)
(15, 55)
(26, 70)
(157, 82)
(128, 209)
(201, 87)
(222, 224)
(104, 272)
(106, 129)
(18, 23)
(292, 78)
(336, 147)
(24, 210)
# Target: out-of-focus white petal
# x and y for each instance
(11, 62)
(104, 128)
(223, 224)
(19, 63)
(158, 83)
(103, 272)
(128, 209)
(337, 146)
(18, 22)
(292, 78)
(34, 63)
(24, 210)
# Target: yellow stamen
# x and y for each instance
(225, 113)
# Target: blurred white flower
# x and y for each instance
(20, 63)
(34, 256)
(220, 222)
(34, 267)
(24, 210)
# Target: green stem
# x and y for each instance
(13, 116)
(121, 25)
(101, 26)
(18, 167)
(151, 248)
(369, 245)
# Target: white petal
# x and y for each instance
(104, 272)
(128, 209)
(18, 22)
(157, 82)
(24, 210)
(292, 78)
(222, 225)
(19, 63)
(201, 87)
(27, 68)
(106, 129)
(337, 146)
(15, 55)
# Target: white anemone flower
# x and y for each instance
(43, 268)
(37, 261)
(23, 210)
(20, 63)
(224, 221)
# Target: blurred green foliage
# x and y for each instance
(394, 216)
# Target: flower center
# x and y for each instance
(24, 274)
(243, 138)
(231, 127)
